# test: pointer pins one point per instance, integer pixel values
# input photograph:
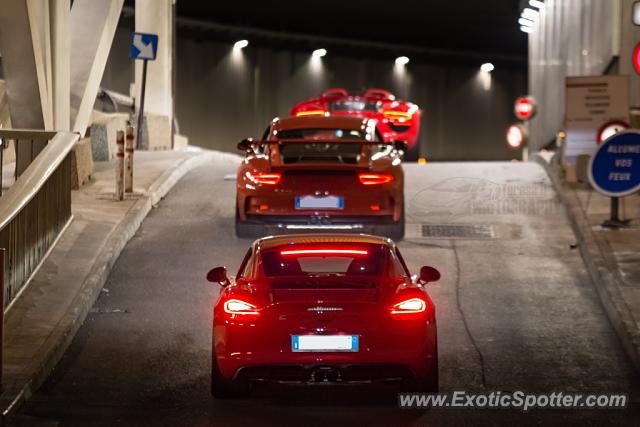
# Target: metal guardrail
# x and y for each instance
(36, 208)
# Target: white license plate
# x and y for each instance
(325, 343)
(313, 202)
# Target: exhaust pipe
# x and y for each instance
(325, 374)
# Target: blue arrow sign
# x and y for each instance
(615, 168)
(143, 46)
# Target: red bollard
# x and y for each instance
(128, 163)
(120, 166)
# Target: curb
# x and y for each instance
(600, 266)
(65, 331)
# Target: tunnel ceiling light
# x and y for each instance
(525, 22)
(487, 67)
(319, 53)
(529, 13)
(402, 60)
(537, 4)
(525, 29)
(241, 44)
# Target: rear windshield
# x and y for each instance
(321, 134)
(324, 152)
(354, 104)
(353, 264)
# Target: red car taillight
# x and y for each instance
(236, 306)
(411, 306)
(375, 178)
(265, 178)
(317, 113)
(397, 117)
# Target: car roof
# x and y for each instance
(319, 122)
(274, 241)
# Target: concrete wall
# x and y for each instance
(577, 38)
(223, 96)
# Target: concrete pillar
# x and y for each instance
(19, 64)
(93, 24)
(156, 16)
(60, 63)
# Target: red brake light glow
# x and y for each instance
(375, 178)
(324, 252)
(410, 306)
(312, 113)
(264, 178)
(236, 306)
(397, 116)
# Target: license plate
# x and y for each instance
(325, 343)
(313, 202)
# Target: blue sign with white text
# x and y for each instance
(143, 46)
(615, 168)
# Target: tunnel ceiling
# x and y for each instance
(487, 26)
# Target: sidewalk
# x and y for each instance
(42, 321)
(612, 256)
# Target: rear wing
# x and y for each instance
(250, 144)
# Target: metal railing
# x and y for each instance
(27, 145)
(37, 207)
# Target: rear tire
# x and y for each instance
(247, 230)
(393, 231)
(223, 388)
(413, 153)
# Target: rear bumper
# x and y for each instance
(318, 374)
(273, 208)
(253, 354)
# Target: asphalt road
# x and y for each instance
(515, 308)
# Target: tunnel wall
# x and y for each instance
(571, 38)
(223, 96)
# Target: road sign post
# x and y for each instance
(143, 47)
(614, 171)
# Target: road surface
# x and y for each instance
(516, 311)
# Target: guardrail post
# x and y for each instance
(120, 166)
(128, 167)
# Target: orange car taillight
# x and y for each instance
(236, 306)
(409, 306)
(375, 178)
(397, 117)
(265, 178)
(312, 113)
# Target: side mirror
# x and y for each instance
(428, 274)
(400, 145)
(245, 144)
(218, 275)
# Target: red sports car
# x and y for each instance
(320, 173)
(396, 119)
(323, 309)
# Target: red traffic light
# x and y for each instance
(516, 136)
(636, 58)
(525, 108)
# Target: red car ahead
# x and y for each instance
(323, 309)
(396, 119)
(320, 173)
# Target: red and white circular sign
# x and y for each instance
(516, 136)
(636, 58)
(525, 108)
(611, 128)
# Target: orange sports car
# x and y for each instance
(320, 173)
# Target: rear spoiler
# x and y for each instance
(249, 143)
